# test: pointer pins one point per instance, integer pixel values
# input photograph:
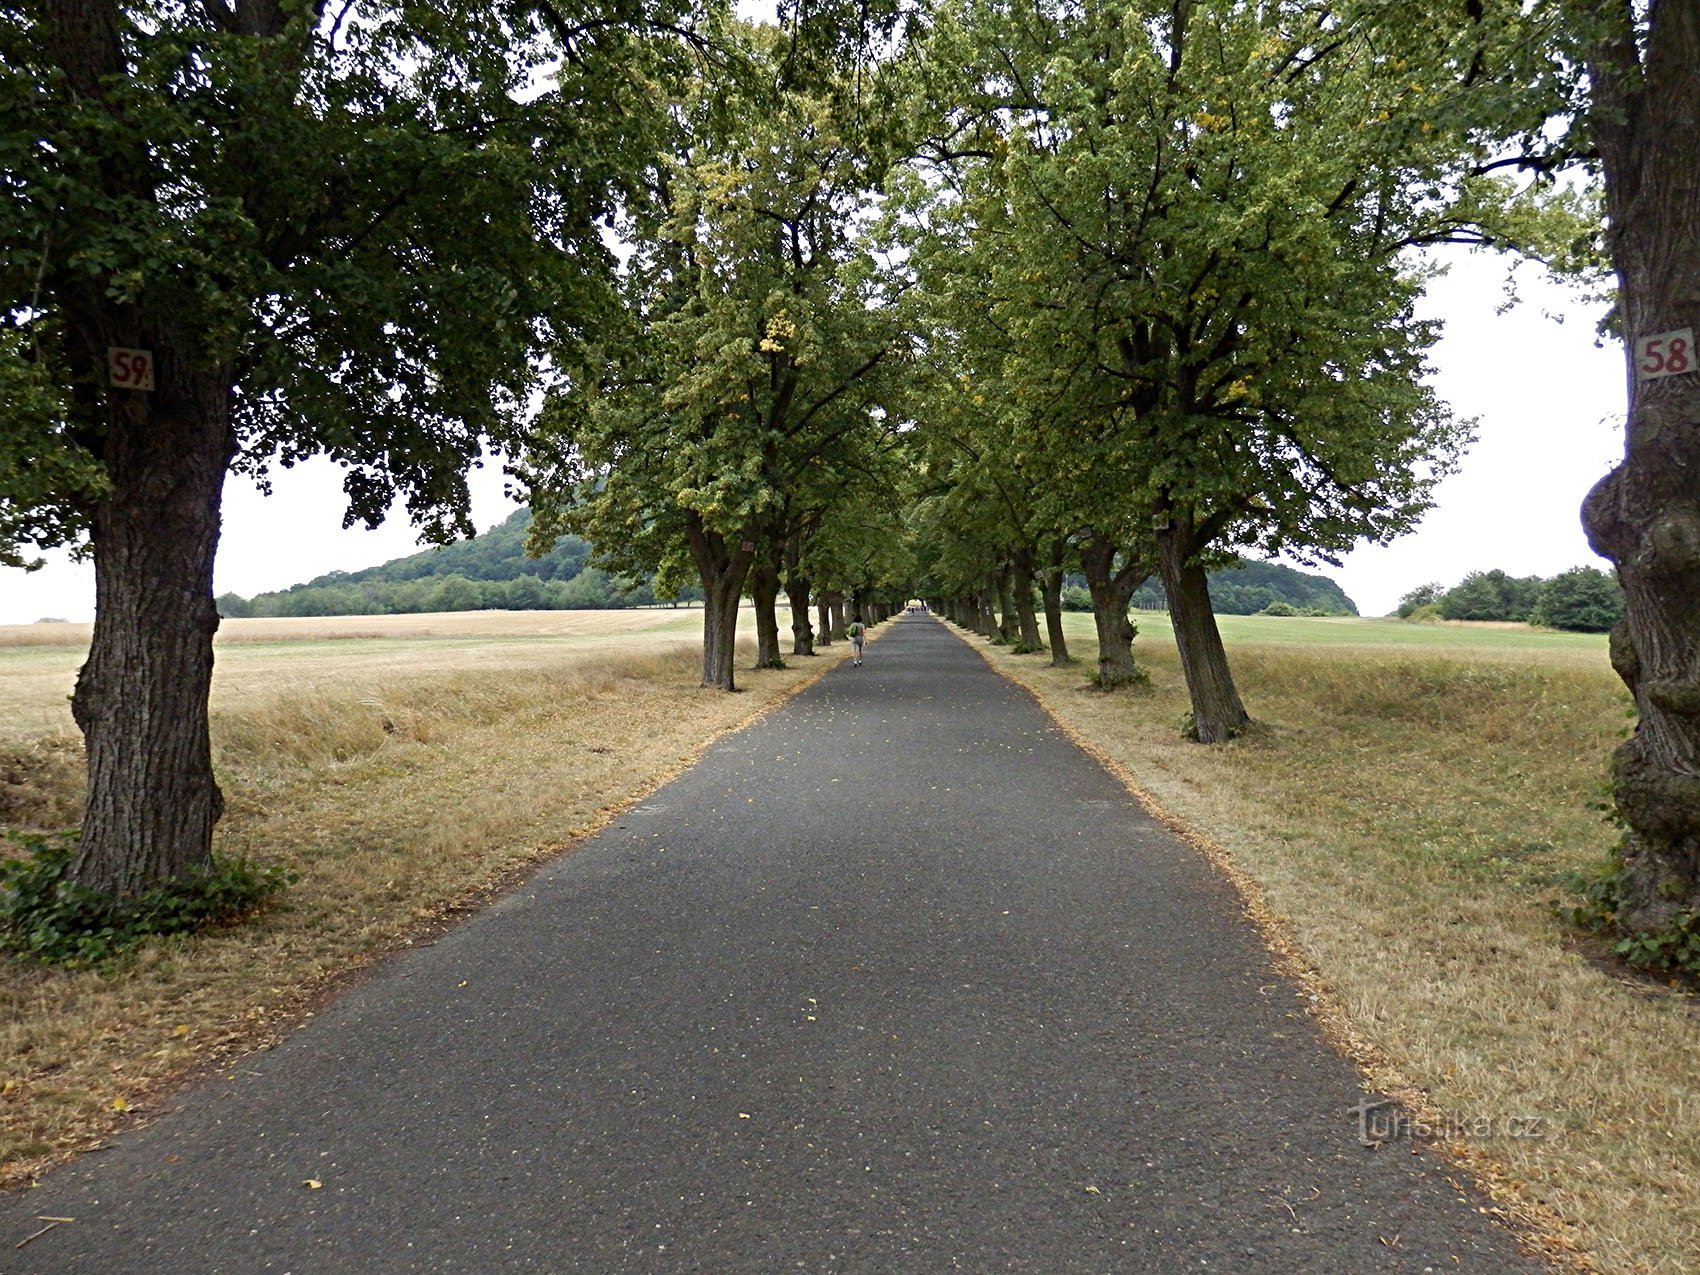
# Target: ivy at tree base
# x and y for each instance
(1608, 896)
(46, 917)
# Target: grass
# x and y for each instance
(404, 780)
(1400, 817)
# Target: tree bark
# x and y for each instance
(797, 591)
(823, 617)
(721, 568)
(1217, 713)
(1050, 589)
(1021, 569)
(1112, 589)
(764, 591)
(141, 698)
(1645, 514)
(1006, 625)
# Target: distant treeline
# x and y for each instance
(1582, 600)
(1251, 588)
(488, 573)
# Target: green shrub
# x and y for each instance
(47, 918)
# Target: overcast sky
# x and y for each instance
(1549, 405)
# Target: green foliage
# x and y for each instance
(1491, 595)
(1424, 595)
(370, 227)
(748, 392)
(45, 917)
(1076, 597)
(1279, 609)
(1675, 946)
(1581, 600)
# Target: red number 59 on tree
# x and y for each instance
(128, 369)
(1664, 354)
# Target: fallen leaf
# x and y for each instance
(312, 1184)
(119, 1104)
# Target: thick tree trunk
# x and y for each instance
(1021, 587)
(141, 698)
(985, 619)
(823, 617)
(1050, 589)
(1645, 514)
(764, 591)
(1112, 589)
(1006, 626)
(839, 618)
(1217, 713)
(721, 568)
(797, 594)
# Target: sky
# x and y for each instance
(1549, 404)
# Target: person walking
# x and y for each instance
(857, 634)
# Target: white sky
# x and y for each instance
(1549, 403)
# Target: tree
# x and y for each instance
(1202, 214)
(757, 338)
(334, 229)
(1491, 595)
(1582, 600)
(1643, 76)
(1421, 596)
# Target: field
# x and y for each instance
(1398, 819)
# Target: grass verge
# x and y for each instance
(403, 798)
(1398, 820)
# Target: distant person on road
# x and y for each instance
(857, 635)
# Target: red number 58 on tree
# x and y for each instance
(1664, 354)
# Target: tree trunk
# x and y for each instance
(1217, 713)
(721, 569)
(764, 590)
(1021, 586)
(1645, 514)
(797, 594)
(141, 698)
(823, 617)
(1050, 588)
(1006, 628)
(1112, 589)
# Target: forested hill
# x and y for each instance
(488, 572)
(496, 554)
(1257, 586)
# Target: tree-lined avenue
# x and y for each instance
(896, 979)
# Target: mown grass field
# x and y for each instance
(1401, 817)
(403, 766)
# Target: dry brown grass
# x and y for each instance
(402, 791)
(1403, 816)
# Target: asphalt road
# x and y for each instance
(897, 980)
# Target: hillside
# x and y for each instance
(1253, 586)
(488, 572)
